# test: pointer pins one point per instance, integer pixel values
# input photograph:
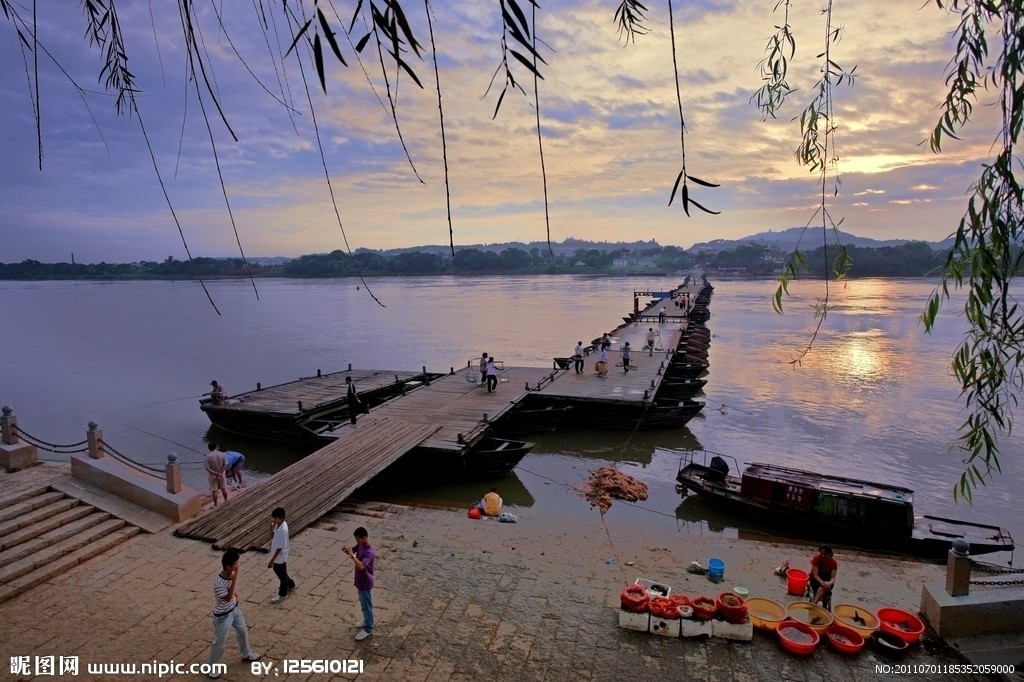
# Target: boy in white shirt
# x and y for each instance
(279, 555)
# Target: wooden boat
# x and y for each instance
(843, 510)
(660, 413)
(309, 408)
(527, 419)
(494, 456)
(685, 370)
(680, 389)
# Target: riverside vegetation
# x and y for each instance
(912, 259)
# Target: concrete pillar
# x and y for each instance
(15, 454)
(9, 426)
(94, 437)
(958, 569)
(172, 473)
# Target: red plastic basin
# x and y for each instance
(844, 639)
(900, 623)
(798, 638)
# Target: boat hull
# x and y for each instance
(928, 537)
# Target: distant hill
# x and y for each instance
(787, 240)
(566, 247)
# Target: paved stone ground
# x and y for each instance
(457, 600)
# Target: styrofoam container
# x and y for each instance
(640, 622)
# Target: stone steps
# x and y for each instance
(45, 533)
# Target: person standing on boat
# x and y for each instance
(354, 404)
(626, 350)
(651, 337)
(824, 568)
(216, 472)
(483, 369)
(578, 357)
(491, 372)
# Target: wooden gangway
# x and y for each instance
(309, 488)
(460, 406)
(646, 368)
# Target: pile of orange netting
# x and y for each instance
(606, 483)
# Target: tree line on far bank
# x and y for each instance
(912, 259)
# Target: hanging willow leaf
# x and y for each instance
(298, 36)
(675, 187)
(701, 182)
(329, 34)
(686, 199)
(527, 63)
(706, 210)
(318, 56)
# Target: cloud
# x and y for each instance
(608, 111)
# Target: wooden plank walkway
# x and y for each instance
(309, 488)
(456, 403)
(619, 386)
(313, 392)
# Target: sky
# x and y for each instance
(608, 113)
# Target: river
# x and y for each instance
(873, 399)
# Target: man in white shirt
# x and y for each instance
(279, 555)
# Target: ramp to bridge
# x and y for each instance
(309, 488)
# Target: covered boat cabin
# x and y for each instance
(833, 499)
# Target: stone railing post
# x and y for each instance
(9, 426)
(94, 437)
(172, 473)
(958, 568)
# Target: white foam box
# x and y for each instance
(654, 593)
(694, 628)
(741, 631)
(664, 626)
(634, 621)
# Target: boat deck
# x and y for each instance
(308, 393)
(643, 378)
(457, 404)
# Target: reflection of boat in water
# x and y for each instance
(849, 510)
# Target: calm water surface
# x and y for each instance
(874, 399)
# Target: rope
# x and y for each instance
(51, 447)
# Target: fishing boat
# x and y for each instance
(840, 509)
(680, 389)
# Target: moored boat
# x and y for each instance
(845, 510)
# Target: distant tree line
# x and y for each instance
(913, 259)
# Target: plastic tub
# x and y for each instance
(900, 623)
(716, 568)
(796, 581)
(797, 637)
(888, 645)
(844, 639)
(811, 615)
(765, 613)
(856, 617)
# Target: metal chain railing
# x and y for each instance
(125, 459)
(995, 570)
(50, 447)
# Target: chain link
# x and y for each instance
(997, 583)
(996, 570)
(144, 468)
(50, 447)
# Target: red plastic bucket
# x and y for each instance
(796, 581)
